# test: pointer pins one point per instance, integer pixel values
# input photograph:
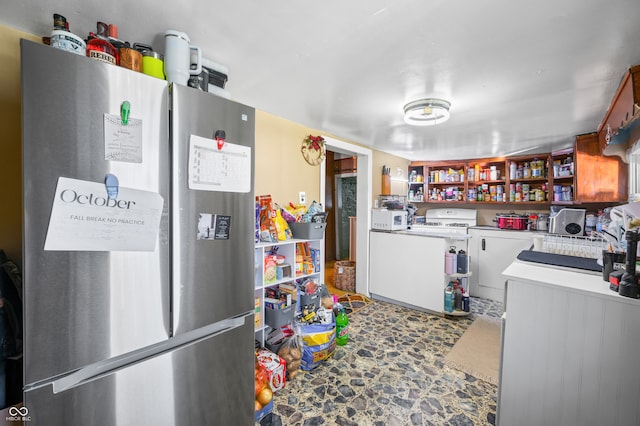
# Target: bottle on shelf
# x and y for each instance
(98, 46)
(342, 328)
(448, 298)
(462, 262)
(457, 297)
(61, 38)
(128, 57)
(450, 260)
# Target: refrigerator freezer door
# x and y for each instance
(213, 278)
(85, 306)
(170, 389)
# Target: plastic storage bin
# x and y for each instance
(277, 317)
(308, 231)
(309, 299)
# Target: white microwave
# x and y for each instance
(388, 220)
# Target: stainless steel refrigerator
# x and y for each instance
(134, 317)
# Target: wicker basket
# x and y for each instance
(345, 275)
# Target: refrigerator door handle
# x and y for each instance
(102, 368)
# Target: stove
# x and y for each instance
(447, 221)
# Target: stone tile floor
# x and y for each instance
(391, 373)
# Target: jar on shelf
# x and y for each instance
(471, 174)
(535, 168)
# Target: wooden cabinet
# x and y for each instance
(562, 171)
(576, 175)
(598, 178)
(416, 177)
(529, 178)
(487, 181)
(621, 109)
(445, 182)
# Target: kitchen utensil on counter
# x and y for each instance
(629, 283)
(182, 59)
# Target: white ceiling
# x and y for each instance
(519, 75)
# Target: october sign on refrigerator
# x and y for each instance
(130, 316)
(84, 217)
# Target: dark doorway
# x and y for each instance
(345, 206)
(341, 203)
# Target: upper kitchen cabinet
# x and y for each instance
(562, 171)
(416, 189)
(446, 181)
(487, 180)
(598, 178)
(613, 132)
(529, 179)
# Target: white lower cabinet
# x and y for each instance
(491, 251)
(569, 351)
(408, 269)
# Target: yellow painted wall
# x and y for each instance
(280, 168)
(10, 143)
(381, 159)
(282, 171)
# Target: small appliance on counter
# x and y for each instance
(388, 220)
(566, 221)
(512, 220)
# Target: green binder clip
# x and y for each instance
(125, 108)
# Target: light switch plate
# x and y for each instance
(302, 198)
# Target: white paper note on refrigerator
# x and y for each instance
(83, 218)
(226, 169)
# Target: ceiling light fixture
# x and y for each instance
(426, 112)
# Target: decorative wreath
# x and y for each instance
(313, 149)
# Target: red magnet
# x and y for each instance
(220, 137)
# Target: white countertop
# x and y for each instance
(567, 279)
(413, 233)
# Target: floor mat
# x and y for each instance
(353, 302)
(477, 352)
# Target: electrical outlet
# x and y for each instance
(302, 198)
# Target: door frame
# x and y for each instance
(363, 204)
